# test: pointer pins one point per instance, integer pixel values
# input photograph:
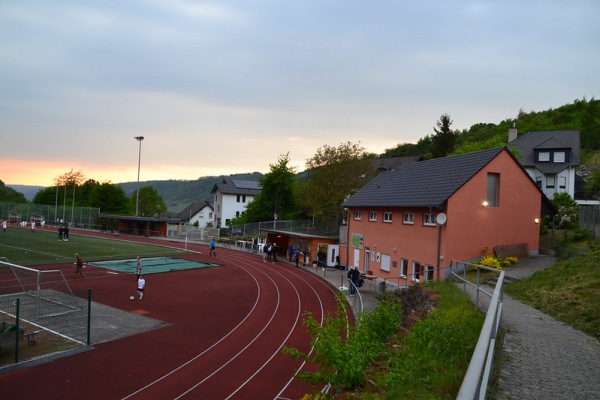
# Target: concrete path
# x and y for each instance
(543, 358)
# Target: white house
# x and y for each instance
(549, 157)
(231, 197)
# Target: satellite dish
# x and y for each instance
(440, 218)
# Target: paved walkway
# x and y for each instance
(542, 358)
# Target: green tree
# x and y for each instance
(150, 203)
(276, 195)
(568, 210)
(334, 173)
(444, 139)
(110, 199)
(10, 195)
(593, 184)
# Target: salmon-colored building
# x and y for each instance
(408, 225)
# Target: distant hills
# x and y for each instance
(28, 191)
(583, 115)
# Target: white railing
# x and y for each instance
(475, 382)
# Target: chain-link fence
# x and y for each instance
(43, 214)
(39, 316)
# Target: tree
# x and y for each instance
(276, 195)
(150, 203)
(335, 173)
(444, 139)
(568, 210)
(10, 195)
(110, 199)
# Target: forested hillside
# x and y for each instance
(582, 115)
(179, 194)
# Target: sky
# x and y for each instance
(224, 87)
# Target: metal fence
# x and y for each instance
(307, 226)
(39, 316)
(475, 382)
(43, 214)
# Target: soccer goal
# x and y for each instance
(46, 293)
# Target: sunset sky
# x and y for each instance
(225, 87)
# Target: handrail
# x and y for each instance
(476, 379)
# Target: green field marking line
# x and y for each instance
(28, 250)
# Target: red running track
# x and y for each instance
(228, 325)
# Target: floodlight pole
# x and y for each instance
(137, 192)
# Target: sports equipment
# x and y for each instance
(131, 298)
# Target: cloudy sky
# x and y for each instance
(221, 87)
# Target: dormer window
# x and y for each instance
(558, 156)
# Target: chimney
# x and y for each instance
(512, 133)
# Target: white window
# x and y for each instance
(562, 182)
(538, 181)
(372, 215)
(493, 189)
(408, 218)
(559, 157)
(357, 215)
(550, 181)
(387, 217)
(403, 267)
(543, 156)
(429, 219)
(385, 262)
(416, 271)
(429, 273)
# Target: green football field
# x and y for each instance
(22, 247)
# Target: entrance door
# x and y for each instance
(367, 260)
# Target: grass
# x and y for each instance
(569, 290)
(429, 358)
(22, 247)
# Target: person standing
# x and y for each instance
(4, 226)
(297, 257)
(274, 253)
(78, 266)
(61, 231)
(212, 248)
(141, 284)
(66, 233)
(290, 252)
(33, 226)
(353, 276)
(138, 268)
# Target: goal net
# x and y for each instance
(44, 293)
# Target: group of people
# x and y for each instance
(63, 233)
(270, 252)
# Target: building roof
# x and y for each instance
(527, 144)
(237, 186)
(394, 163)
(187, 212)
(422, 184)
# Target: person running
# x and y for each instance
(141, 284)
(78, 266)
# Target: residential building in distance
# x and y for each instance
(231, 197)
(551, 158)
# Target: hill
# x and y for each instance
(178, 194)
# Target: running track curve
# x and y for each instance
(227, 326)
